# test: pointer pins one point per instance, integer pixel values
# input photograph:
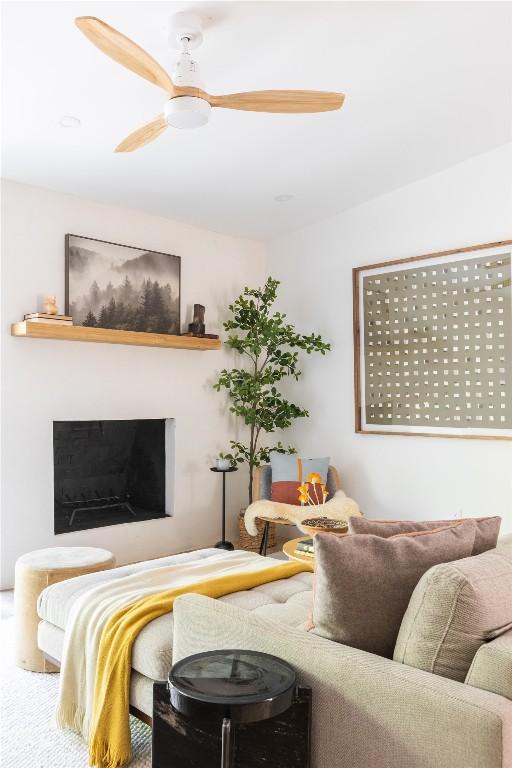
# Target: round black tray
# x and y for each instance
(245, 686)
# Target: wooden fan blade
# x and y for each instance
(143, 135)
(280, 101)
(124, 51)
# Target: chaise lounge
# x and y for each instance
(287, 601)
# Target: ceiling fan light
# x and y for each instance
(187, 112)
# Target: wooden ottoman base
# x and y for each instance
(34, 572)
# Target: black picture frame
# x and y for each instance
(152, 270)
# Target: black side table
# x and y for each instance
(233, 709)
(223, 544)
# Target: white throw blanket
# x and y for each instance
(340, 507)
(92, 610)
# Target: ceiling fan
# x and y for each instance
(188, 105)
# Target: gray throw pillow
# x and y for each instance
(363, 584)
(486, 534)
(455, 609)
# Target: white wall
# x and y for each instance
(46, 380)
(50, 380)
(393, 476)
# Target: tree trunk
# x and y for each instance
(252, 450)
(251, 475)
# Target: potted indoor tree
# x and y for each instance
(270, 347)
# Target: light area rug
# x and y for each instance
(29, 737)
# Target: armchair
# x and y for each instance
(262, 488)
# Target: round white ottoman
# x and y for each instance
(35, 571)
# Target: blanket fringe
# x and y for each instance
(101, 755)
(70, 716)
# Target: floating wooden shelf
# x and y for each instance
(108, 336)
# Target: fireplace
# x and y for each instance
(111, 472)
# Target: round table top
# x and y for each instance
(227, 469)
(243, 685)
(290, 546)
(56, 558)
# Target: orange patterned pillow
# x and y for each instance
(291, 472)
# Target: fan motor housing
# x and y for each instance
(187, 112)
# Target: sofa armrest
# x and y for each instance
(491, 669)
(368, 712)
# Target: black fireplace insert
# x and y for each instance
(110, 472)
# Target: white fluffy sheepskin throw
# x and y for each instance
(340, 507)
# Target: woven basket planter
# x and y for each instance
(252, 543)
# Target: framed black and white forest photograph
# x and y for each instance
(433, 344)
(121, 287)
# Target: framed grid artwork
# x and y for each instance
(433, 344)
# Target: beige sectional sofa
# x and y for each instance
(368, 712)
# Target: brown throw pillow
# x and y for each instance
(486, 534)
(363, 584)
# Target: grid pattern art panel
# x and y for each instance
(437, 345)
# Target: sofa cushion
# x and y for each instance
(454, 610)
(363, 583)
(55, 602)
(486, 533)
(491, 668)
(287, 601)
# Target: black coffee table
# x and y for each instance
(246, 700)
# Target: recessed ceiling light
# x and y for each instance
(69, 121)
(283, 198)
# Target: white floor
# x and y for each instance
(29, 737)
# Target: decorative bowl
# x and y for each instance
(314, 525)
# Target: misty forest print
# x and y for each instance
(120, 287)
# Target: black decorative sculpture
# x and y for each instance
(197, 325)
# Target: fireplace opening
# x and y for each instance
(111, 472)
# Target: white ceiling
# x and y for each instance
(428, 84)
